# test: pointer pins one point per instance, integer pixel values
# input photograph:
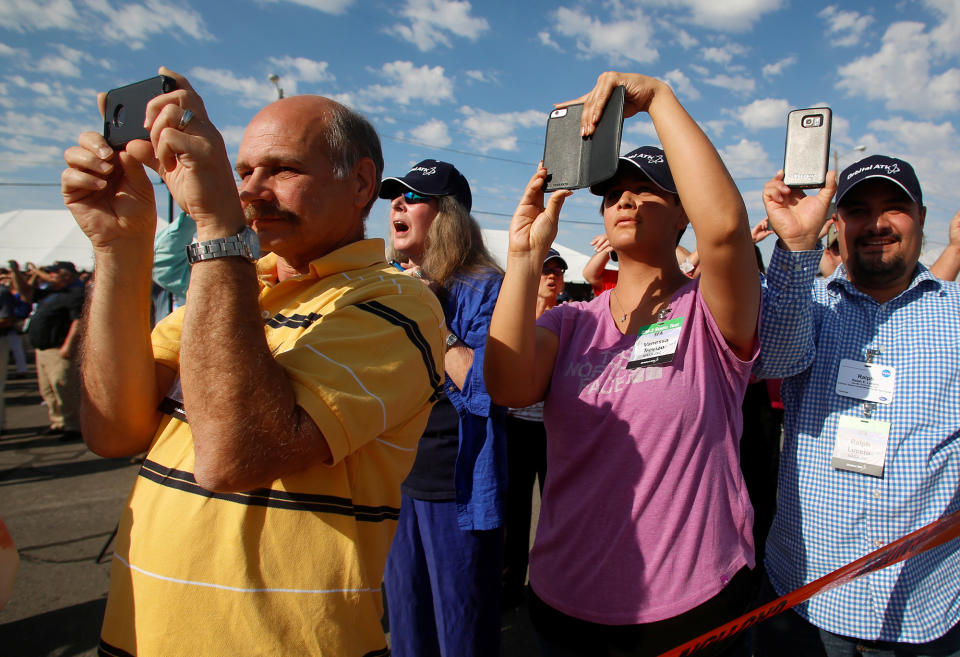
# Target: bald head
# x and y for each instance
(343, 136)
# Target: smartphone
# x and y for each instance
(807, 152)
(126, 109)
(572, 161)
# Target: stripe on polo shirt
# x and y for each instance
(107, 650)
(293, 321)
(413, 334)
(266, 497)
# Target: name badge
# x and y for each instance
(861, 445)
(867, 381)
(656, 343)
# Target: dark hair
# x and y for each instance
(349, 137)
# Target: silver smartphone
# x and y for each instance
(807, 153)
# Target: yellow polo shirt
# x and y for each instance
(295, 568)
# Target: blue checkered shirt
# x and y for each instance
(827, 518)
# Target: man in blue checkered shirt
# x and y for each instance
(870, 358)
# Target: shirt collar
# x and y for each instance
(356, 255)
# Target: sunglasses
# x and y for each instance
(413, 198)
(556, 271)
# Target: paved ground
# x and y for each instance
(61, 504)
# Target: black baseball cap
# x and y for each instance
(430, 178)
(651, 161)
(62, 264)
(553, 254)
(880, 166)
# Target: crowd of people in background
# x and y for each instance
(335, 414)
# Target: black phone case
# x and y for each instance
(573, 162)
(126, 109)
(806, 154)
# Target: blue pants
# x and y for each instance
(443, 584)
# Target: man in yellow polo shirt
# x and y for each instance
(280, 408)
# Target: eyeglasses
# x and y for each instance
(412, 198)
(556, 271)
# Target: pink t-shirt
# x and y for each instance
(645, 513)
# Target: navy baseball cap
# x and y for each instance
(430, 178)
(553, 254)
(880, 166)
(651, 161)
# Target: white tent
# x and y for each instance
(43, 237)
(497, 242)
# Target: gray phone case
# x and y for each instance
(573, 162)
(806, 155)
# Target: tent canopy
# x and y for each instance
(45, 236)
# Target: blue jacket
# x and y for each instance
(480, 474)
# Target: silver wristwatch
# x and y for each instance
(452, 339)
(244, 244)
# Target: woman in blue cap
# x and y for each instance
(644, 537)
(443, 572)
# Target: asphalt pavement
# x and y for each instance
(61, 504)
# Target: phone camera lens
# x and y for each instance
(119, 116)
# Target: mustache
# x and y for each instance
(262, 210)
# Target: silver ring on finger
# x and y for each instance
(185, 119)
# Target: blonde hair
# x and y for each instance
(454, 245)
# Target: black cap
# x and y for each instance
(430, 178)
(880, 166)
(62, 264)
(651, 161)
(553, 254)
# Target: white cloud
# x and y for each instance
(747, 159)
(685, 39)
(776, 68)
(486, 77)
(7, 51)
(546, 40)
(930, 147)
(643, 129)
(490, 131)
(946, 36)
(726, 15)
(681, 84)
(626, 38)
(132, 24)
(763, 113)
(326, 6)
(233, 135)
(899, 73)
(434, 132)
(702, 71)
(258, 91)
(67, 62)
(432, 20)
(716, 127)
(301, 69)
(252, 92)
(736, 83)
(723, 54)
(845, 28)
(421, 84)
(28, 15)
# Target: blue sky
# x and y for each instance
(472, 82)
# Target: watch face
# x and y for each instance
(251, 241)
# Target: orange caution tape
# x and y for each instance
(925, 538)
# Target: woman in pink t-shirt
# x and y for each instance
(644, 537)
